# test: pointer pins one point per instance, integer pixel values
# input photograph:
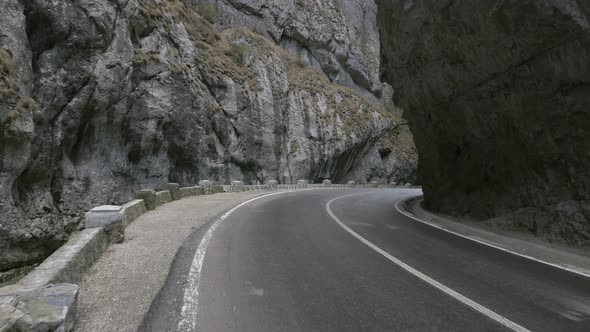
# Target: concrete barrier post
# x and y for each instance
(174, 189)
(191, 191)
(374, 184)
(237, 186)
(215, 189)
(327, 183)
(273, 184)
(351, 184)
(163, 197)
(408, 184)
(205, 183)
(148, 196)
(393, 184)
(132, 210)
(301, 184)
(110, 218)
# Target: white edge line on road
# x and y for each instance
(465, 300)
(489, 244)
(190, 303)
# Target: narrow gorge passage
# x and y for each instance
(130, 128)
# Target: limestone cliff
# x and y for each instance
(337, 37)
(101, 98)
(497, 93)
(340, 39)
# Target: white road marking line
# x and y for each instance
(465, 300)
(362, 224)
(190, 304)
(571, 315)
(569, 268)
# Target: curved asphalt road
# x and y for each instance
(282, 263)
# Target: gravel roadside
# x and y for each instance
(119, 288)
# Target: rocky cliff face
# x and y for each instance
(337, 37)
(497, 93)
(340, 39)
(100, 98)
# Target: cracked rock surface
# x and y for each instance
(337, 37)
(49, 308)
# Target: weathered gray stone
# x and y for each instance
(327, 183)
(214, 189)
(272, 184)
(174, 189)
(148, 196)
(13, 275)
(163, 197)
(374, 184)
(191, 191)
(70, 261)
(205, 183)
(393, 184)
(132, 210)
(45, 309)
(110, 218)
(351, 183)
(408, 184)
(393, 159)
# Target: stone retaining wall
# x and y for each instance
(70, 261)
(133, 210)
(163, 197)
(191, 191)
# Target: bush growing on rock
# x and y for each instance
(236, 51)
(6, 63)
(209, 12)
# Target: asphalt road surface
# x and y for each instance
(347, 260)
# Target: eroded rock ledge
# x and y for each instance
(497, 93)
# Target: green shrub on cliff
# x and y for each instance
(6, 64)
(209, 12)
(236, 51)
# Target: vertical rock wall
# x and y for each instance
(497, 96)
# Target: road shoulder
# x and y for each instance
(517, 244)
(117, 291)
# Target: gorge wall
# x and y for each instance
(497, 94)
(101, 98)
(337, 37)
